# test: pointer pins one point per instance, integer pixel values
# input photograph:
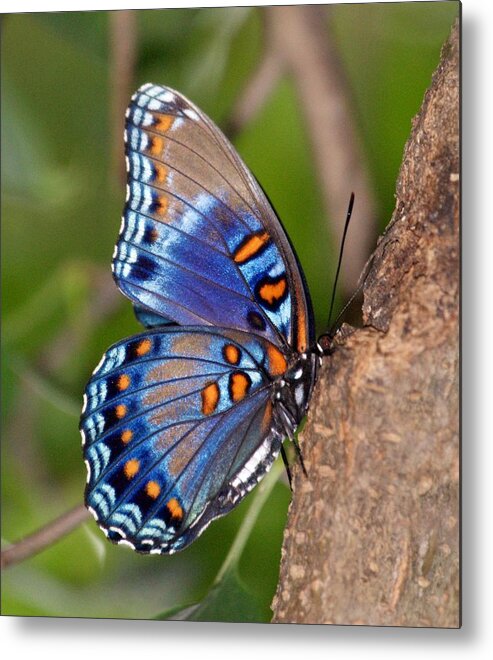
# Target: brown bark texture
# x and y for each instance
(373, 532)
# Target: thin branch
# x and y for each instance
(44, 537)
(302, 38)
(255, 92)
(123, 45)
(103, 302)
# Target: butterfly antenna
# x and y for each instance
(341, 251)
(360, 285)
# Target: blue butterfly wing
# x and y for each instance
(178, 425)
(199, 243)
(150, 319)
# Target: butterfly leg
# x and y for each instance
(286, 465)
(299, 455)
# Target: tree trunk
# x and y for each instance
(373, 532)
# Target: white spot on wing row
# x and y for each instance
(140, 167)
(137, 139)
(299, 395)
(141, 197)
(113, 358)
(154, 104)
(100, 363)
(147, 542)
(98, 392)
(118, 530)
(154, 90)
(135, 230)
(144, 88)
(88, 467)
(191, 114)
(252, 463)
(167, 96)
(141, 100)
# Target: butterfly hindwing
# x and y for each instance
(200, 244)
(178, 425)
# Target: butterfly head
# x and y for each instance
(324, 344)
(293, 391)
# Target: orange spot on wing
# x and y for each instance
(131, 468)
(239, 384)
(232, 354)
(273, 292)
(126, 436)
(277, 362)
(249, 247)
(161, 172)
(210, 398)
(123, 382)
(267, 417)
(301, 338)
(156, 146)
(144, 347)
(153, 235)
(175, 509)
(161, 205)
(153, 489)
(163, 122)
(121, 410)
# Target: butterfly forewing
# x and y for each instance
(199, 243)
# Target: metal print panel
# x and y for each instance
(244, 458)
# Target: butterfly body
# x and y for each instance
(180, 423)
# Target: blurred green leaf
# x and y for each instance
(66, 287)
(229, 599)
(41, 386)
(176, 613)
(215, 33)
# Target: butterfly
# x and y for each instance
(180, 422)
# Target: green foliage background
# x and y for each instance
(60, 217)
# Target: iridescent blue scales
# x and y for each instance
(181, 422)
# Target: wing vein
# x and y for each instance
(199, 155)
(192, 272)
(197, 183)
(213, 458)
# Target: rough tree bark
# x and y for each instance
(373, 533)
